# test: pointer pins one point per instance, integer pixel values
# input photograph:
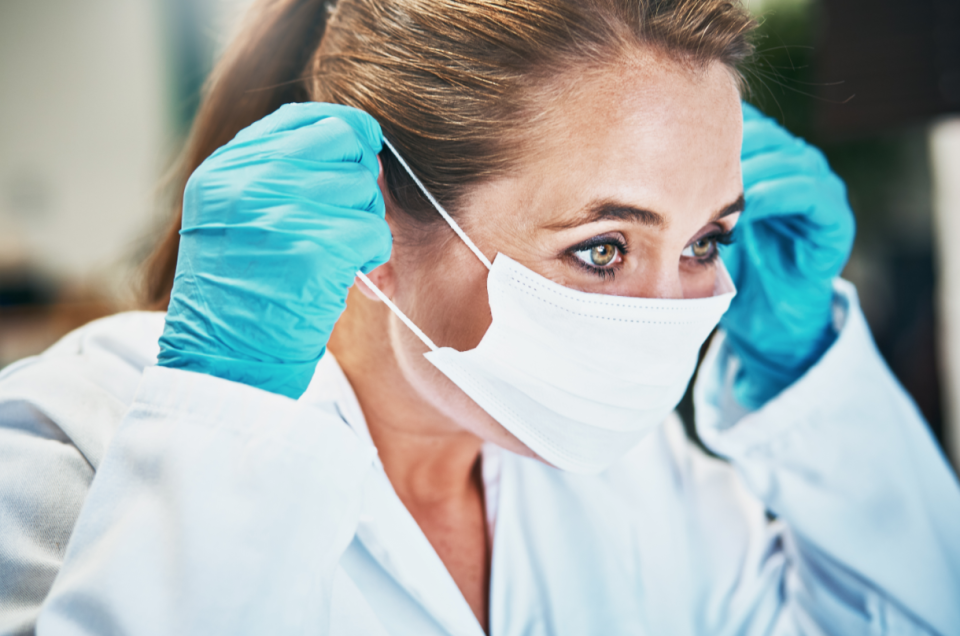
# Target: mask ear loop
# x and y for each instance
(396, 310)
(446, 217)
(456, 228)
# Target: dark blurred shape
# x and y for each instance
(35, 312)
(899, 60)
(908, 341)
(22, 286)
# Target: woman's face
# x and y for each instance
(635, 182)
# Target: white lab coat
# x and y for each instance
(157, 501)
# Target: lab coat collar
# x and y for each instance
(330, 384)
(387, 529)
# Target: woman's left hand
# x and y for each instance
(793, 239)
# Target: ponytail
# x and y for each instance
(262, 69)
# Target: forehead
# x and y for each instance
(649, 132)
(650, 103)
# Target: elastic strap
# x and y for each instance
(456, 228)
(443, 213)
(396, 310)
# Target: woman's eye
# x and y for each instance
(598, 255)
(701, 248)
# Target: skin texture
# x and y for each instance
(647, 133)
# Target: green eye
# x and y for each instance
(598, 255)
(700, 249)
(603, 254)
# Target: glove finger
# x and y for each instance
(347, 185)
(363, 242)
(380, 257)
(365, 126)
(286, 118)
(329, 242)
(751, 112)
(774, 165)
(820, 200)
(298, 115)
(765, 135)
(320, 132)
(328, 141)
(818, 257)
(341, 184)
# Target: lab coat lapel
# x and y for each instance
(394, 539)
(387, 529)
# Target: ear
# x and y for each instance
(383, 277)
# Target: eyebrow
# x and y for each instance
(614, 211)
(732, 208)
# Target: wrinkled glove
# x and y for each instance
(276, 224)
(792, 240)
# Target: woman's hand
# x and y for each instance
(793, 239)
(275, 226)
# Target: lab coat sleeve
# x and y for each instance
(867, 507)
(217, 509)
(58, 412)
(43, 481)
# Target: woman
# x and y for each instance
(481, 442)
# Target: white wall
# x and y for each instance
(945, 163)
(83, 133)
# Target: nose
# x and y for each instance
(659, 281)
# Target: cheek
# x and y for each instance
(449, 303)
(698, 281)
(447, 300)
(446, 296)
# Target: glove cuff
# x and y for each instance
(764, 375)
(289, 379)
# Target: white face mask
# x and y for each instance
(579, 378)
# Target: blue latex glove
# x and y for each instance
(792, 240)
(275, 226)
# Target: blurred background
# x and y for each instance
(97, 97)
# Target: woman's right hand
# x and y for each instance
(276, 224)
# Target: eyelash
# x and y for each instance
(603, 272)
(718, 238)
